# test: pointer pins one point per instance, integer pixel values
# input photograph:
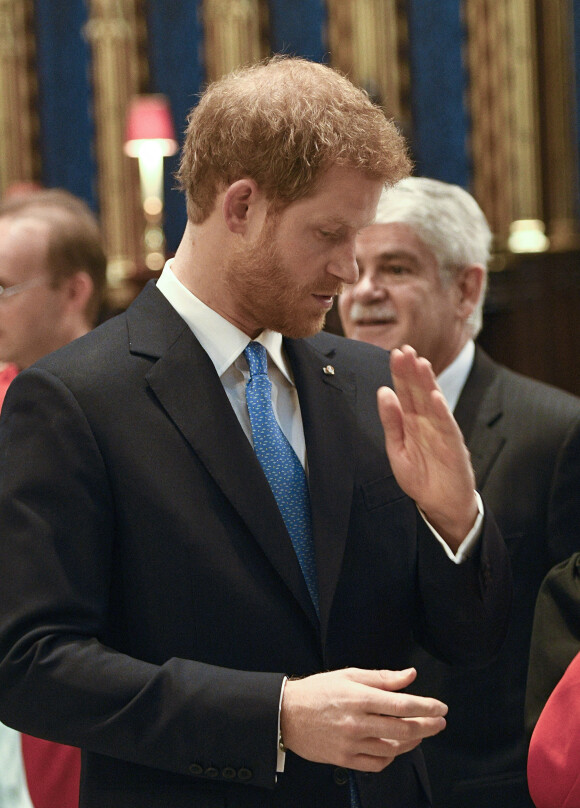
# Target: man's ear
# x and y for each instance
(79, 288)
(239, 202)
(470, 287)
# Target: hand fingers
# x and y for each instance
(400, 735)
(382, 698)
(391, 418)
(413, 379)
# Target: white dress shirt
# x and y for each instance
(225, 343)
(452, 379)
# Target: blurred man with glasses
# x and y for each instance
(52, 274)
(52, 278)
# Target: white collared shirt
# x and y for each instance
(452, 379)
(225, 343)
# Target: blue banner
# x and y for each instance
(65, 98)
(438, 85)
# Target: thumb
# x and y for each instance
(397, 680)
(383, 679)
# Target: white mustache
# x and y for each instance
(373, 311)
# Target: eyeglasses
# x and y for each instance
(8, 291)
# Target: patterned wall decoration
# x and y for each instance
(235, 34)
(19, 158)
(368, 40)
(504, 102)
(484, 89)
(521, 100)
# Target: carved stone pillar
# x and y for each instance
(235, 34)
(368, 40)
(115, 36)
(19, 153)
(504, 99)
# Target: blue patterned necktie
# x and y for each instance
(281, 465)
(286, 476)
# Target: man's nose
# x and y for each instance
(343, 264)
(366, 288)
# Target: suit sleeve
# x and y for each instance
(59, 679)
(464, 609)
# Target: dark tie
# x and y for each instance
(286, 476)
(281, 465)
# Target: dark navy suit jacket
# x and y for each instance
(151, 599)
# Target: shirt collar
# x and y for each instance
(453, 378)
(220, 339)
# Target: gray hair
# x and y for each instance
(448, 221)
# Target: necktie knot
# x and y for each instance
(257, 359)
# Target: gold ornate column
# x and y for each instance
(504, 100)
(557, 109)
(234, 34)
(19, 155)
(115, 35)
(368, 40)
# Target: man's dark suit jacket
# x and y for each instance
(524, 439)
(151, 599)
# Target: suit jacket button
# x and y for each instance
(244, 774)
(211, 771)
(196, 769)
(228, 773)
(340, 776)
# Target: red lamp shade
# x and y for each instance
(149, 118)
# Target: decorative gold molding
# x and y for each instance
(234, 34)
(19, 155)
(368, 40)
(504, 100)
(114, 34)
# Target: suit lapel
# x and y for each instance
(479, 412)
(326, 403)
(188, 388)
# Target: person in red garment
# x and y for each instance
(553, 774)
(553, 691)
(52, 276)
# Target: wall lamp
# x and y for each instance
(150, 137)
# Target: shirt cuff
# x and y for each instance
(466, 547)
(281, 751)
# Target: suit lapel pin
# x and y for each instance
(328, 370)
